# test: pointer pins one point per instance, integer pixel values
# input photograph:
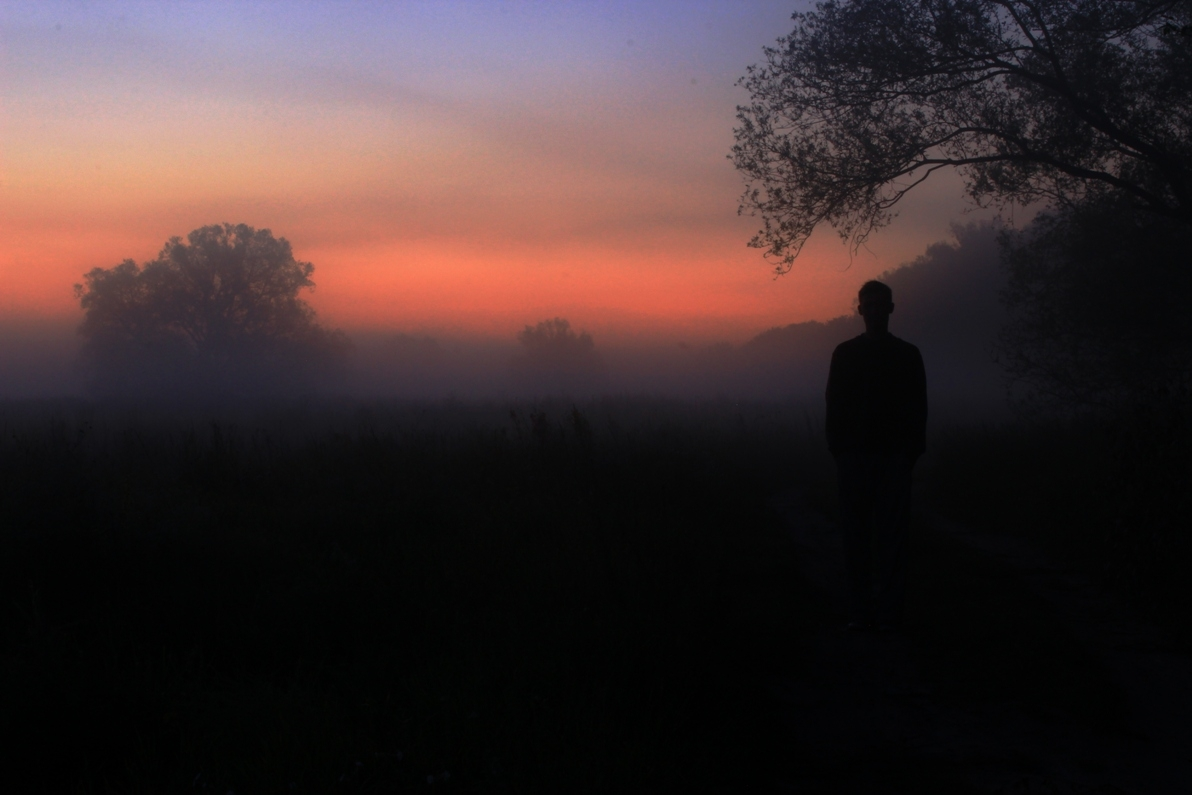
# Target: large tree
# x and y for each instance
(220, 309)
(1054, 101)
(1097, 295)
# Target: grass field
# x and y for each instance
(323, 598)
(368, 597)
(1109, 495)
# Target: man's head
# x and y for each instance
(875, 303)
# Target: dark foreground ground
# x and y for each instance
(627, 595)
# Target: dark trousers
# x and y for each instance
(875, 512)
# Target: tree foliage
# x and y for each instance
(220, 309)
(1053, 101)
(1098, 300)
(554, 339)
(557, 358)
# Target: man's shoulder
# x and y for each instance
(904, 346)
(865, 342)
(863, 348)
(853, 344)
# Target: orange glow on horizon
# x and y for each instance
(718, 291)
(666, 283)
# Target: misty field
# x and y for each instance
(357, 596)
(362, 597)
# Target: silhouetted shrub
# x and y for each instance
(556, 359)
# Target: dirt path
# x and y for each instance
(866, 716)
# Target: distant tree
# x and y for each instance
(1031, 101)
(554, 340)
(556, 357)
(1098, 300)
(219, 310)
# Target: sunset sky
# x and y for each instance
(448, 167)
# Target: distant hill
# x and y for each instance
(793, 359)
(946, 303)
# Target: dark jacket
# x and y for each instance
(877, 397)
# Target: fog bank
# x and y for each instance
(946, 303)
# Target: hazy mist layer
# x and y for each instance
(946, 303)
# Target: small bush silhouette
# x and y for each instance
(557, 359)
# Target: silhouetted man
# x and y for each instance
(876, 424)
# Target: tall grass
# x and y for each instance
(1109, 493)
(359, 597)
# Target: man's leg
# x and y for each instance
(854, 474)
(891, 528)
